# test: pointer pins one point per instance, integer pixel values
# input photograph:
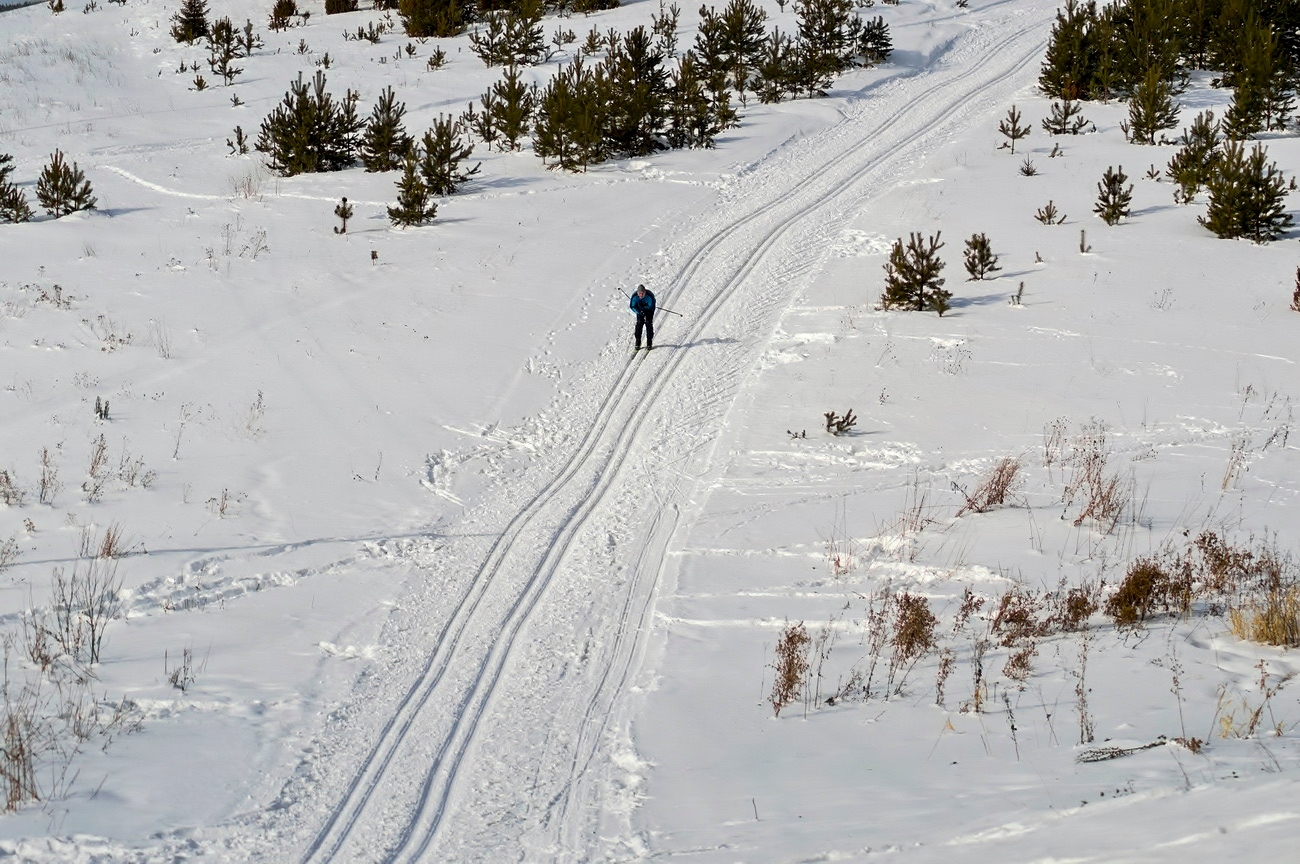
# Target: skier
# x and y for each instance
(643, 304)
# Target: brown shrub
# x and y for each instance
(1145, 589)
(791, 666)
(1017, 620)
(912, 639)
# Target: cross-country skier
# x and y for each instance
(643, 304)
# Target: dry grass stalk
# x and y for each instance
(1105, 496)
(11, 494)
(49, 483)
(1087, 731)
(9, 552)
(1248, 725)
(1054, 442)
(1236, 463)
(97, 475)
(979, 688)
(791, 667)
(946, 661)
(916, 509)
(994, 488)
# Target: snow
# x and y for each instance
(463, 579)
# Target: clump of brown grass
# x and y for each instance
(994, 488)
(912, 639)
(1273, 619)
(791, 666)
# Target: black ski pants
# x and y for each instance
(646, 321)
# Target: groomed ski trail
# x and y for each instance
(456, 772)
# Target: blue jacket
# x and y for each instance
(644, 304)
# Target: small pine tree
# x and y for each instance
(1151, 108)
(874, 42)
(1247, 195)
(912, 279)
(223, 50)
(248, 39)
(1192, 166)
(1113, 200)
(692, 119)
(980, 260)
(772, 80)
(442, 150)
(638, 95)
(508, 109)
(384, 143)
(190, 21)
(511, 36)
(1247, 112)
(1069, 68)
(13, 204)
(1011, 128)
(570, 119)
(744, 30)
(437, 18)
(282, 12)
(1263, 81)
(62, 189)
(413, 204)
(829, 31)
(343, 210)
(309, 131)
(1066, 118)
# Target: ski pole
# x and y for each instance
(657, 308)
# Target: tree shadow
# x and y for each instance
(980, 300)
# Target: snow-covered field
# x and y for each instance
(460, 578)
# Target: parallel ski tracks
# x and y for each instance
(472, 653)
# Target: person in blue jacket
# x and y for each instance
(643, 304)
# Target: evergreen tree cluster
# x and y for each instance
(627, 104)
(432, 167)
(1142, 49)
(635, 100)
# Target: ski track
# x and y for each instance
(475, 686)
